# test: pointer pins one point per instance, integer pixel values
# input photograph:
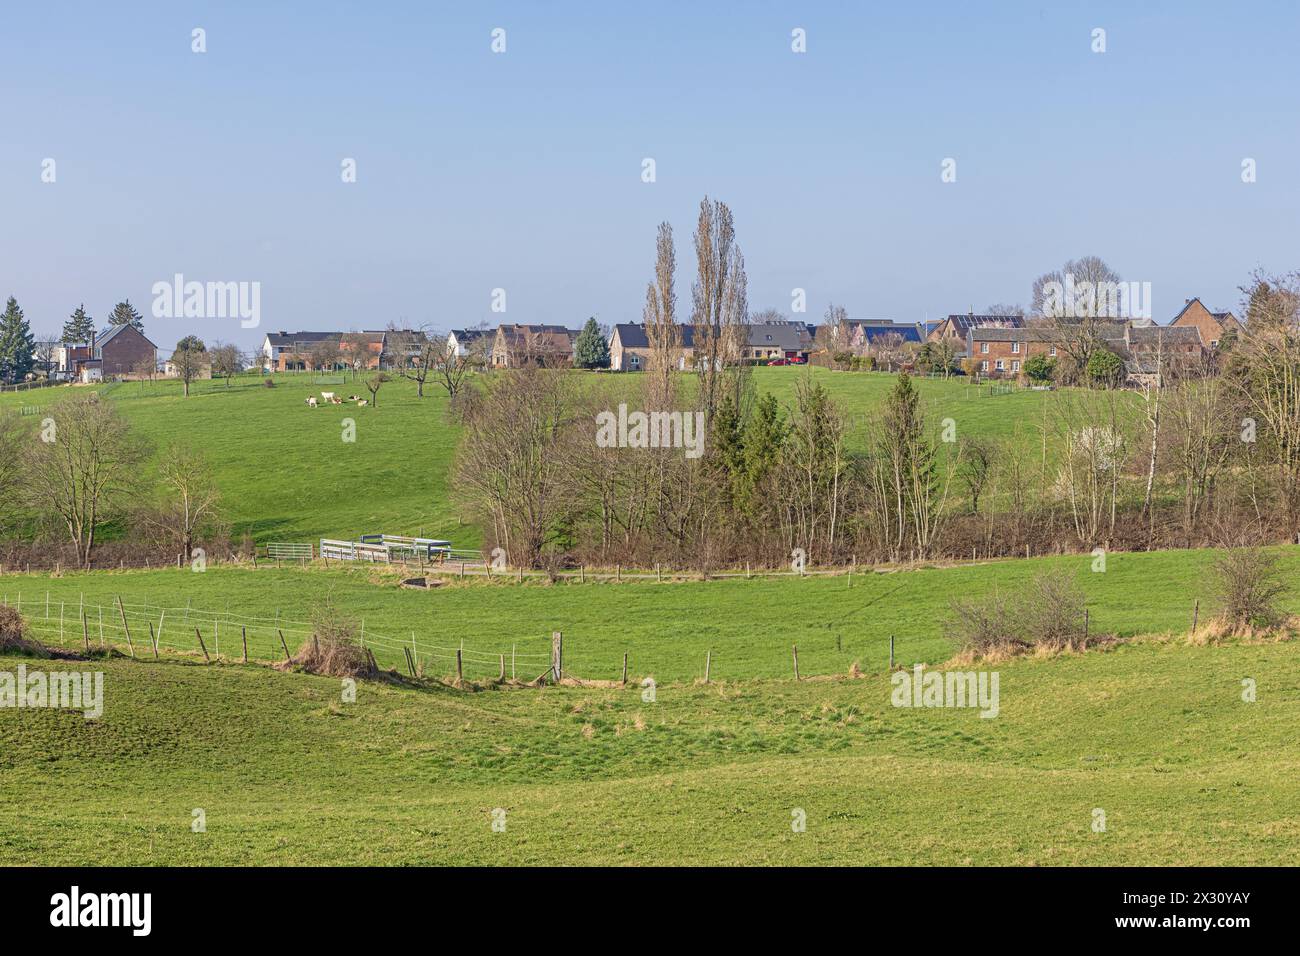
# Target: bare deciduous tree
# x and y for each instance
(720, 307)
(226, 360)
(354, 350)
(82, 464)
(373, 384)
(1265, 371)
(188, 363)
(1074, 323)
(663, 333)
(511, 462)
(191, 495)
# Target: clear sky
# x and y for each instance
(523, 170)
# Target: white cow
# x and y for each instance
(328, 396)
(312, 401)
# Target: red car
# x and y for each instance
(778, 362)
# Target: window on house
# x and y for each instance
(999, 365)
(1015, 365)
(984, 366)
(1015, 348)
(984, 348)
(1052, 351)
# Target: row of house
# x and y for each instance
(997, 344)
(629, 344)
(1000, 348)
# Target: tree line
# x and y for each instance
(1207, 453)
(80, 471)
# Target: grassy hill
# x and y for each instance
(1154, 734)
(287, 475)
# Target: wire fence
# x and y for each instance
(142, 630)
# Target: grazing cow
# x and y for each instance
(354, 398)
(312, 401)
(328, 396)
(362, 402)
(336, 401)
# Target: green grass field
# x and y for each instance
(749, 626)
(1153, 731)
(1155, 735)
(287, 475)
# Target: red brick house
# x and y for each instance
(956, 327)
(122, 350)
(1001, 353)
(1211, 325)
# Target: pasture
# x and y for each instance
(1153, 734)
(286, 473)
(749, 626)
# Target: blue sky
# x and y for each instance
(522, 170)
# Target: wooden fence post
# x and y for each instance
(557, 655)
(891, 652)
(283, 644)
(203, 646)
(625, 668)
(153, 640)
(460, 673)
(512, 662)
(501, 674)
(122, 609)
(708, 664)
(243, 633)
(1085, 625)
(1196, 613)
(795, 651)
(85, 634)
(618, 573)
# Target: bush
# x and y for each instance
(1054, 611)
(1041, 369)
(12, 635)
(1248, 584)
(985, 627)
(269, 382)
(1105, 367)
(333, 648)
(1052, 618)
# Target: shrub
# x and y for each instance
(984, 627)
(1054, 610)
(269, 382)
(12, 635)
(1105, 367)
(1041, 369)
(333, 648)
(1050, 615)
(1248, 584)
